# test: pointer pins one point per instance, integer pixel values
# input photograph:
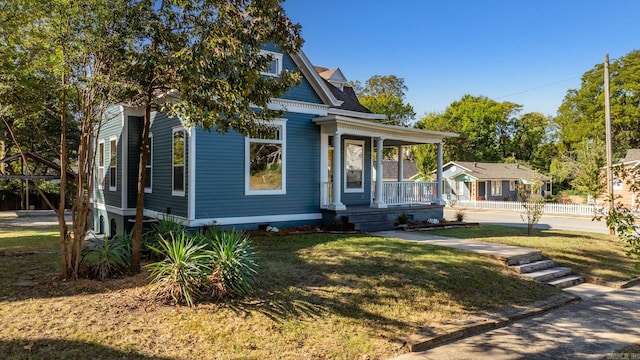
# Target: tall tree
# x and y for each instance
(206, 57)
(581, 114)
(71, 47)
(386, 94)
(582, 167)
(485, 127)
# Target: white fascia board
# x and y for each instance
(302, 107)
(356, 114)
(315, 80)
(255, 219)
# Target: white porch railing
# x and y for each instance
(549, 208)
(395, 193)
(409, 193)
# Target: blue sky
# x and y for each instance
(525, 51)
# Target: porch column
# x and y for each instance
(400, 163)
(379, 201)
(439, 175)
(336, 201)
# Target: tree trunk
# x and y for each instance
(62, 225)
(137, 227)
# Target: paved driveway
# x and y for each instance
(590, 329)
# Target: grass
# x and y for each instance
(598, 255)
(320, 297)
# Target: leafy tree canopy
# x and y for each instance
(581, 115)
(385, 94)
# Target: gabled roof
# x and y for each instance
(44, 173)
(495, 171)
(632, 155)
(390, 169)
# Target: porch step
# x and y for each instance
(547, 271)
(370, 222)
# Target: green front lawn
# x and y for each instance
(320, 296)
(598, 255)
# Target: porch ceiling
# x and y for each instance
(392, 135)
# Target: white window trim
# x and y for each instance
(149, 189)
(512, 185)
(282, 123)
(344, 166)
(278, 58)
(496, 190)
(184, 173)
(101, 160)
(115, 165)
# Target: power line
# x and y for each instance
(537, 88)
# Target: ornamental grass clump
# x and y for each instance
(233, 261)
(107, 257)
(181, 275)
(195, 266)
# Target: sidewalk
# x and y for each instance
(606, 319)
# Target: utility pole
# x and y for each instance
(607, 119)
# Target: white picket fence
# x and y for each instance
(549, 208)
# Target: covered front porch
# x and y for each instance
(349, 146)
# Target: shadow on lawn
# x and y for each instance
(369, 279)
(64, 349)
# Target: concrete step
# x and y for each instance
(566, 281)
(547, 275)
(521, 259)
(533, 266)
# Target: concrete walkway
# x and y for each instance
(605, 320)
(509, 254)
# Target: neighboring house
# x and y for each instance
(488, 181)
(391, 170)
(621, 189)
(322, 143)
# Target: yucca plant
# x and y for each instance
(183, 271)
(106, 257)
(233, 260)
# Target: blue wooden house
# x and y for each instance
(465, 180)
(313, 167)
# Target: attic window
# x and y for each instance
(274, 68)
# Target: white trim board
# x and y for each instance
(256, 219)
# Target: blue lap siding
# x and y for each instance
(220, 174)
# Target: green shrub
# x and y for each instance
(234, 268)
(106, 257)
(460, 215)
(181, 275)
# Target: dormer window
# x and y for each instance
(275, 66)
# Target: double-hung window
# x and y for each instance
(354, 166)
(178, 156)
(496, 187)
(113, 158)
(148, 176)
(265, 160)
(100, 164)
(275, 65)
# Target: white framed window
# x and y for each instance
(496, 187)
(275, 65)
(265, 161)
(512, 185)
(178, 156)
(148, 176)
(113, 160)
(353, 165)
(101, 164)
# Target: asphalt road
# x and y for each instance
(557, 222)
